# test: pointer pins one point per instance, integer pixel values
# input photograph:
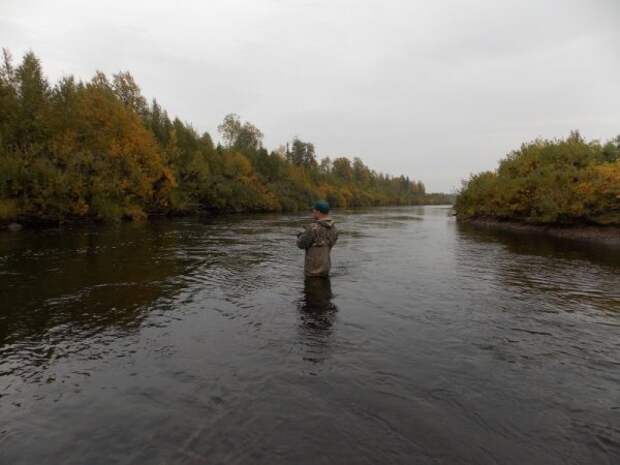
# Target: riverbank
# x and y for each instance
(98, 156)
(551, 182)
(609, 235)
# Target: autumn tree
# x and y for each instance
(342, 169)
(32, 89)
(302, 153)
(238, 135)
(128, 92)
(98, 150)
(548, 181)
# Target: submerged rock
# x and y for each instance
(14, 227)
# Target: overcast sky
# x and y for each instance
(434, 90)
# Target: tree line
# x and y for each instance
(565, 181)
(100, 150)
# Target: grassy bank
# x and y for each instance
(548, 182)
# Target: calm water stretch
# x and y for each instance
(198, 342)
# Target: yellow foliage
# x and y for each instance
(8, 209)
(564, 181)
(97, 150)
(236, 165)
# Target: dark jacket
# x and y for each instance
(318, 239)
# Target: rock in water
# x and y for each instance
(14, 227)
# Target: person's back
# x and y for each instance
(317, 240)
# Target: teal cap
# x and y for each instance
(321, 206)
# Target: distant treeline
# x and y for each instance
(98, 150)
(550, 182)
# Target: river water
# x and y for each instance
(199, 342)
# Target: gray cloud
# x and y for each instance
(435, 90)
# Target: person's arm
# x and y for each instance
(335, 236)
(306, 238)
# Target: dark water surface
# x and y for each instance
(198, 342)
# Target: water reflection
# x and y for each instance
(74, 294)
(317, 315)
(88, 279)
(548, 274)
(530, 243)
(317, 309)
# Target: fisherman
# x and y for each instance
(318, 239)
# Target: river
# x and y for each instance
(197, 341)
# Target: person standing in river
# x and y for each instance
(317, 240)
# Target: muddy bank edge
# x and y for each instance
(609, 235)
